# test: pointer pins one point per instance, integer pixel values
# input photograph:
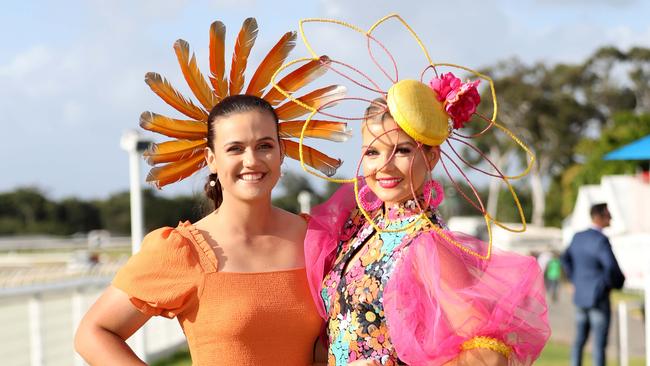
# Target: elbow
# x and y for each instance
(81, 338)
(86, 340)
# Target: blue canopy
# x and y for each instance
(637, 150)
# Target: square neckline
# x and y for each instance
(210, 257)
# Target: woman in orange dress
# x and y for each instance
(236, 279)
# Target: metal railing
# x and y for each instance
(39, 321)
(624, 332)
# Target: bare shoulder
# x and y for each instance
(290, 223)
(205, 222)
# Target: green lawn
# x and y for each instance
(554, 354)
(180, 358)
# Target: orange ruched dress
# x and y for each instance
(261, 318)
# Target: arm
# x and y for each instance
(567, 264)
(479, 357)
(320, 353)
(614, 276)
(103, 331)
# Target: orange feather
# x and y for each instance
(175, 150)
(315, 99)
(243, 45)
(171, 96)
(328, 130)
(181, 129)
(193, 75)
(312, 157)
(273, 60)
(298, 78)
(173, 172)
(218, 59)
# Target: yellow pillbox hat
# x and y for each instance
(417, 111)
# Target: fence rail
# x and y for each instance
(39, 322)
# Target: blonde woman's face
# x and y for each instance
(392, 161)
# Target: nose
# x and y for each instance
(250, 159)
(387, 162)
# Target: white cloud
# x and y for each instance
(230, 4)
(73, 113)
(26, 62)
(612, 3)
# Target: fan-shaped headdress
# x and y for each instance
(179, 158)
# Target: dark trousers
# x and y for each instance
(595, 320)
(552, 288)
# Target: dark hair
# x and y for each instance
(233, 104)
(598, 210)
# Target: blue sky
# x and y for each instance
(72, 71)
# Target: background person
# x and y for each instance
(592, 268)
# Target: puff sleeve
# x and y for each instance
(165, 276)
(441, 301)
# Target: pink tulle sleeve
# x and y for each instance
(440, 296)
(323, 234)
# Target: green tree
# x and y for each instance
(626, 127)
(160, 211)
(538, 103)
(75, 215)
(116, 214)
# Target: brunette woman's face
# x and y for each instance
(393, 162)
(246, 155)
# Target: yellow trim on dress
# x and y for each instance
(489, 343)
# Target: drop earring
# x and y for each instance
(368, 204)
(431, 187)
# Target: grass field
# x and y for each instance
(554, 354)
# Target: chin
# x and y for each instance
(254, 193)
(392, 195)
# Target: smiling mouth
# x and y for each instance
(389, 182)
(252, 177)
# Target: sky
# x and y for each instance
(72, 71)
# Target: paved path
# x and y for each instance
(561, 316)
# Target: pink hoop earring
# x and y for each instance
(429, 188)
(368, 204)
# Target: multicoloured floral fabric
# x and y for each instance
(434, 299)
(352, 291)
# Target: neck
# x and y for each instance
(406, 208)
(247, 217)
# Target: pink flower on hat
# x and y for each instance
(462, 102)
(459, 99)
(444, 85)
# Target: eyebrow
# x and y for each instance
(394, 146)
(267, 138)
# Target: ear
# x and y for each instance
(211, 160)
(282, 155)
(433, 156)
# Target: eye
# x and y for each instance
(265, 146)
(234, 149)
(371, 152)
(403, 150)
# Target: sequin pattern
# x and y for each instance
(352, 291)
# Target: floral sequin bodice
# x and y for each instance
(352, 291)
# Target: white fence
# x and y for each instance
(39, 321)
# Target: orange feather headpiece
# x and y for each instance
(179, 158)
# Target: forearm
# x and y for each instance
(479, 357)
(99, 346)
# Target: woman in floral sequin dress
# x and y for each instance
(412, 292)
